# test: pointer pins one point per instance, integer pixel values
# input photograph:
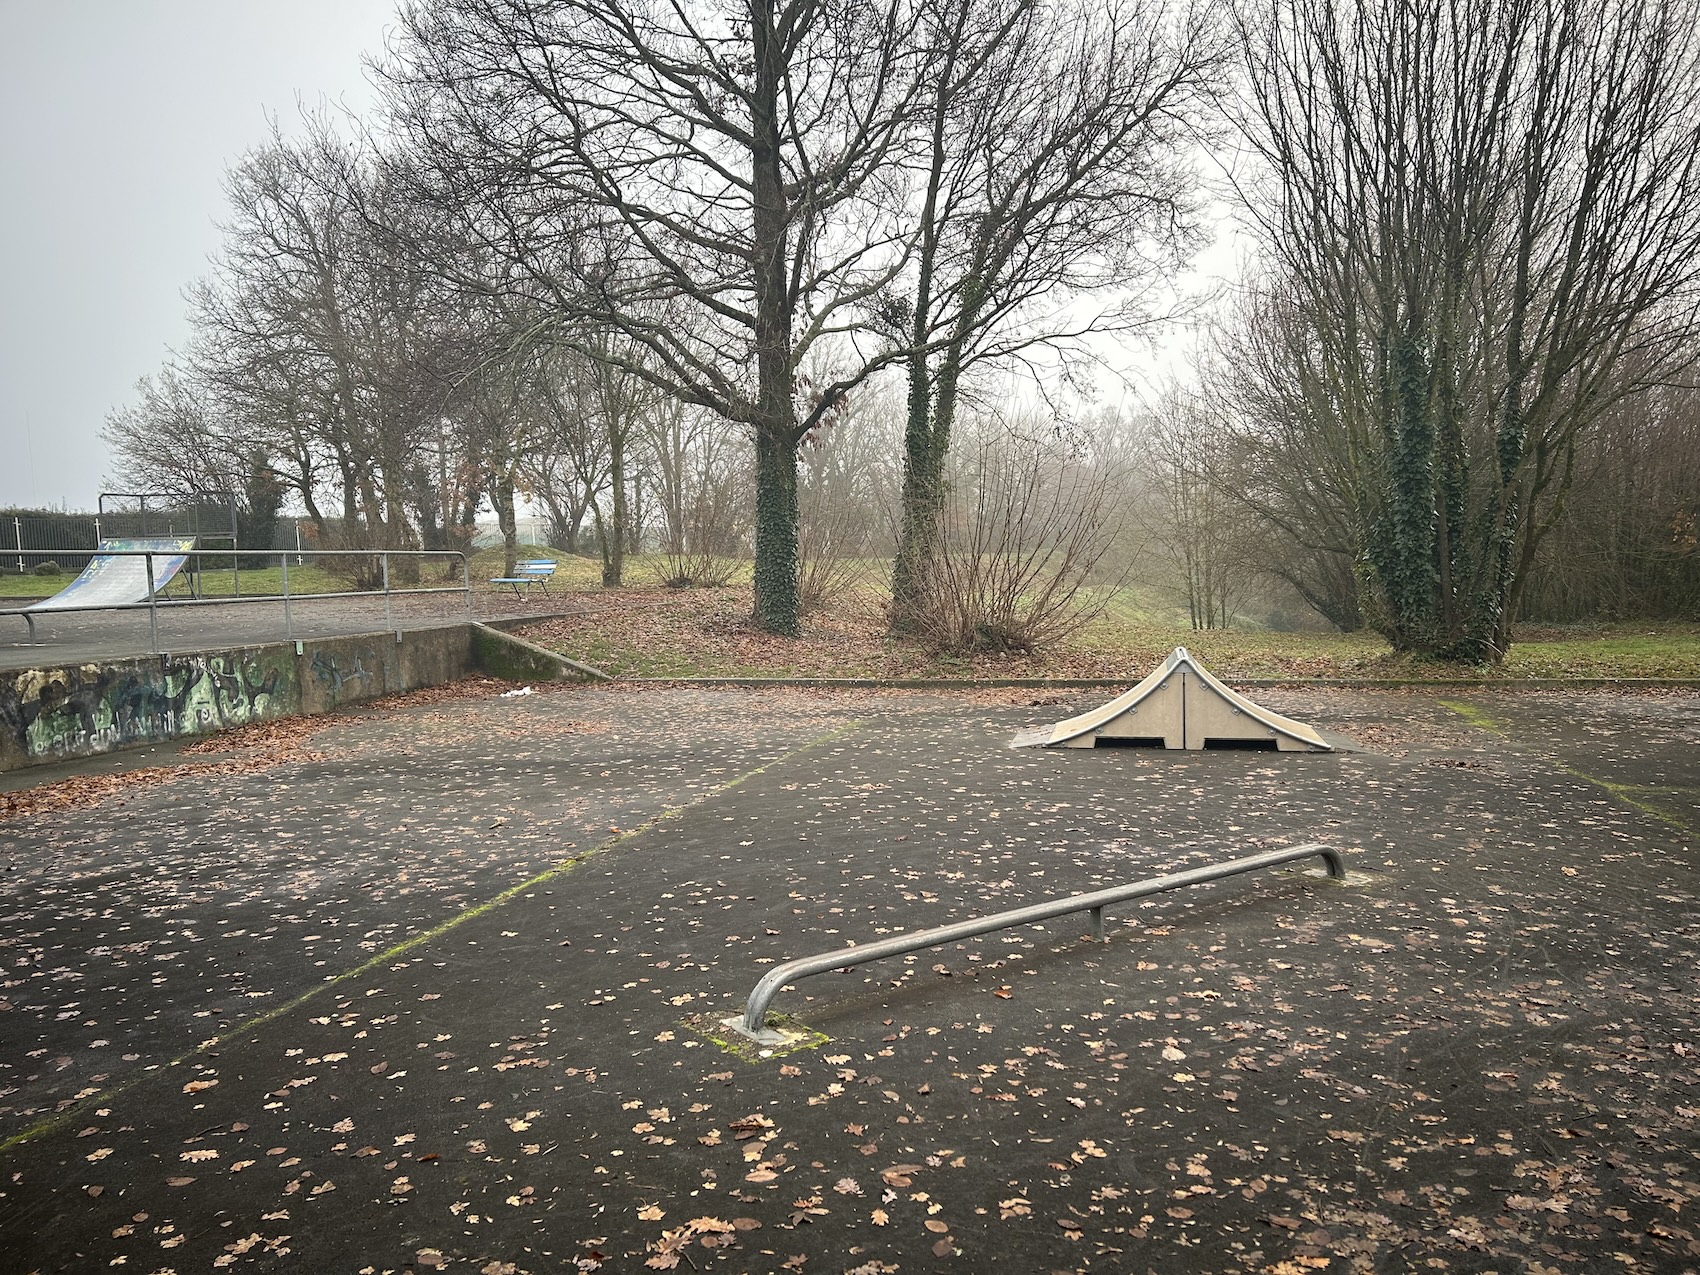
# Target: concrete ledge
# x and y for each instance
(506, 655)
(56, 713)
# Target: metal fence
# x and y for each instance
(378, 569)
(65, 540)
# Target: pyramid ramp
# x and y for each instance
(1180, 705)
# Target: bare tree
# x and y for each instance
(568, 468)
(321, 336)
(1627, 545)
(1294, 452)
(1489, 211)
(699, 469)
(699, 181)
(1208, 535)
(846, 492)
(172, 437)
(595, 410)
(1055, 166)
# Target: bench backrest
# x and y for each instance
(535, 567)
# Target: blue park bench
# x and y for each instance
(535, 571)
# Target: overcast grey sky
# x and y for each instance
(117, 120)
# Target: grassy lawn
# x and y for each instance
(646, 630)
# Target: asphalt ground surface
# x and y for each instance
(426, 992)
(79, 637)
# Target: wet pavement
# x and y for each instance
(437, 990)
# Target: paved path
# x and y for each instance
(421, 994)
(82, 637)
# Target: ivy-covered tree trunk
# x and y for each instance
(932, 401)
(777, 607)
(1402, 540)
(778, 601)
(923, 505)
(256, 519)
(1440, 573)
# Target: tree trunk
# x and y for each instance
(777, 583)
(923, 507)
(778, 602)
(502, 497)
(614, 544)
(1403, 543)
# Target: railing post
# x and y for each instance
(153, 608)
(384, 568)
(288, 623)
(1098, 925)
(465, 579)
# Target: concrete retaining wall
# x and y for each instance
(60, 712)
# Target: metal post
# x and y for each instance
(384, 567)
(18, 531)
(153, 608)
(288, 625)
(466, 580)
(1098, 925)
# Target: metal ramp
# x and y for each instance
(119, 573)
(1180, 705)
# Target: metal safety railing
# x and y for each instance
(753, 1023)
(156, 580)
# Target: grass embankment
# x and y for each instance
(647, 630)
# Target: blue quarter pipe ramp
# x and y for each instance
(113, 579)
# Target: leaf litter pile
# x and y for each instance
(1483, 1056)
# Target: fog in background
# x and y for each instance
(117, 120)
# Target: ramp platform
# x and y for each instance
(1180, 705)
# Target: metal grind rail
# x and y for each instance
(753, 1023)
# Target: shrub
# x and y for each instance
(48, 568)
(1023, 532)
(695, 568)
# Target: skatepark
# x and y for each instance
(440, 982)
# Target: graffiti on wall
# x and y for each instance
(72, 712)
(336, 671)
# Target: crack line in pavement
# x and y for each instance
(1620, 792)
(443, 927)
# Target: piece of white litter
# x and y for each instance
(524, 690)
